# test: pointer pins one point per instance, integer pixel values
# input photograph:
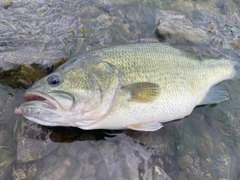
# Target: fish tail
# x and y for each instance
(232, 62)
(235, 65)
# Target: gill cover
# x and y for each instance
(107, 77)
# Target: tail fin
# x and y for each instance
(233, 62)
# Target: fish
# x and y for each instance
(135, 86)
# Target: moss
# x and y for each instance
(22, 77)
(25, 75)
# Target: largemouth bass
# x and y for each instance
(135, 86)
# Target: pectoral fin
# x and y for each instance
(153, 126)
(215, 96)
(142, 92)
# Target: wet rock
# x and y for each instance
(7, 128)
(121, 2)
(176, 28)
(53, 29)
(104, 19)
(6, 157)
(31, 172)
(195, 171)
(237, 2)
(4, 134)
(100, 41)
(46, 59)
(33, 142)
(222, 5)
(56, 168)
(89, 12)
(19, 174)
(49, 31)
(206, 33)
(160, 174)
(185, 161)
(223, 166)
(9, 98)
(206, 150)
(6, 161)
(105, 159)
(5, 173)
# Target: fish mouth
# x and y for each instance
(43, 97)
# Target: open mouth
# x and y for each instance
(37, 96)
(43, 100)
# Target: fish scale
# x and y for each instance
(135, 86)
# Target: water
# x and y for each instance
(204, 145)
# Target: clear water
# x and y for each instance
(205, 145)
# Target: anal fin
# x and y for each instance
(152, 126)
(215, 96)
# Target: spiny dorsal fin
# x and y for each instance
(142, 92)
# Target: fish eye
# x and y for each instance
(54, 80)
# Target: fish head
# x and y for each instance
(75, 96)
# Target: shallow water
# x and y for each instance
(205, 145)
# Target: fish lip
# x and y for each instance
(41, 96)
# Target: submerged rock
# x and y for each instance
(184, 161)
(33, 142)
(107, 159)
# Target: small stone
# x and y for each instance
(67, 162)
(32, 171)
(19, 174)
(160, 174)
(103, 18)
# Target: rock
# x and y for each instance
(47, 31)
(195, 171)
(176, 28)
(29, 56)
(90, 12)
(4, 172)
(57, 168)
(31, 172)
(103, 18)
(6, 157)
(24, 171)
(4, 134)
(223, 165)
(120, 2)
(185, 161)
(114, 157)
(19, 174)
(33, 142)
(222, 5)
(160, 174)
(158, 141)
(9, 98)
